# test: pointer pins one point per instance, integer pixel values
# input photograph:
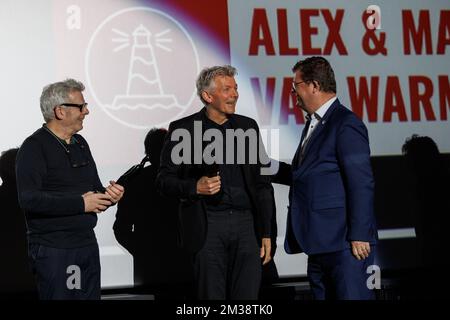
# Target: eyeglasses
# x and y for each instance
(75, 105)
(295, 85)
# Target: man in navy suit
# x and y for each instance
(331, 215)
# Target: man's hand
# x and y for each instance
(96, 202)
(360, 249)
(265, 250)
(208, 186)
(115, 191)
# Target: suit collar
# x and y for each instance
(324, 108)
(324, 115)
(329, 110)
(317, 131)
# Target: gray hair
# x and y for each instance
(57, 93)
(205, 79)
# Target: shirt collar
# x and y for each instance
(324, 108)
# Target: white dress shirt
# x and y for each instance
(314, 121)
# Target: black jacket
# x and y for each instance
(180, 180)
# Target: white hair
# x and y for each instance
(57, 93)
(207, 75)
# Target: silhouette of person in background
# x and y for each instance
(431, 178)
(146, 225)
(15, 275)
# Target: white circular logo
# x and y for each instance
(141, 66)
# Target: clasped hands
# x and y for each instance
(208, 186)
(98, 202)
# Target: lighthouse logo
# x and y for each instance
(141, 66)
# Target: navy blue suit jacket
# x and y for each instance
(331, 196)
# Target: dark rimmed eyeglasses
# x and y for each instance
(295, 85)
(75, 105)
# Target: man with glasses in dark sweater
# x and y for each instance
(60, 192)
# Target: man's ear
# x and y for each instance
(316, 86)
(206, 96)
(59, 114)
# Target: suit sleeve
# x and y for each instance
(264, 189)
(30, 170)
(283, 174)
(168, 181)
(354, 159)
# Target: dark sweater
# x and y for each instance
(51, 178)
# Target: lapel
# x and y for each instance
(195, 139)
(318, 130)
(297, 153)
(200, 116)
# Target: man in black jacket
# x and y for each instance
(225, 204)
(61, 193)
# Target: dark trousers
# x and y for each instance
(228, 266)
(66, 274)
(340, 276)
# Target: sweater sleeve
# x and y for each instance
(30, 171)
(98, 186)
